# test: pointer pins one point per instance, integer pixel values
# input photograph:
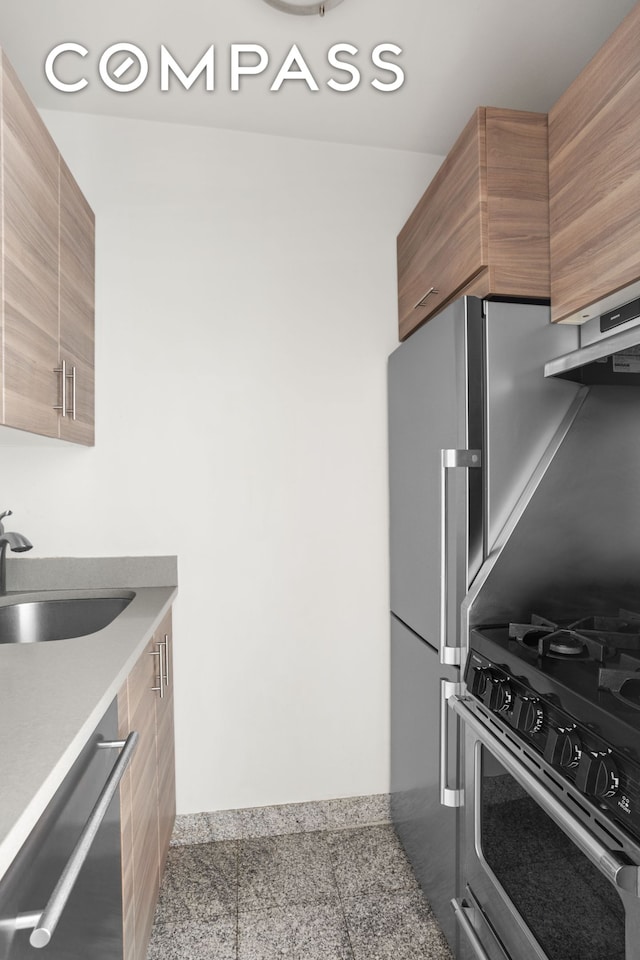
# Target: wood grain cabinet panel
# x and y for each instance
(30, 262)
(483, 220)
(126, 835)
(147, 792)
(77, 311)
(48, 278)
(594, 179)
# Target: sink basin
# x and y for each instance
(35, 621)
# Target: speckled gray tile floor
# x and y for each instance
(345, 894)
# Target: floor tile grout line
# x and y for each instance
(340, 901)
(332, 851)
(237, 848)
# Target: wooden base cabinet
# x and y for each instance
(594, 181)
(147, 791)
(47, 286)
(166, 753)
(482, 226)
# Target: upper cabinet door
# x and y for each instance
(594, 180)
(49, 279)
(77, 283)
(482, 226)
(444, 242)
(30, 260)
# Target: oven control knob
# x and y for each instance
(563, 748)
(480, 682)
(598, 775)
(500, 695)
(528, 714)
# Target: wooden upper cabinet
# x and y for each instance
(48, 278)
(77, 324)
(594, 180)
(482, 226)
(30, 261)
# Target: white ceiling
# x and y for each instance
(456, 56)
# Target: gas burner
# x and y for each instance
(589, 638)
(550, 640)
(565, 643)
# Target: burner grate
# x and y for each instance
(589, 638)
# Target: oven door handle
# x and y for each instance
(461, 911)
(449, 796)
(619, 871)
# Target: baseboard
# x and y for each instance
(341, 814)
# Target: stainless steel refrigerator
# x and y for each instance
(470, 416)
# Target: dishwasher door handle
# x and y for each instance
(45, 921)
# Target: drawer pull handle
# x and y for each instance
(45, 921)
(423, 300)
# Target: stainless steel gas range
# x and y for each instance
(515, 757)
(551, 853)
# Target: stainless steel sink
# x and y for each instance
(36, 620)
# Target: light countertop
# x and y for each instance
(53, 694)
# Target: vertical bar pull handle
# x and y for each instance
(448, 460)
(62, 406)
(72, 376)
(449, 797)
(158, 653)
(165, 645)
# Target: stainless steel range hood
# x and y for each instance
(608, 349)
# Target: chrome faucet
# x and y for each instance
(16, 542)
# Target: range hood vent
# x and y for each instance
(609, 350)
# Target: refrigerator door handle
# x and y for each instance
(449, 655)
(449, 797)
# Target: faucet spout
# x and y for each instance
(16, 542)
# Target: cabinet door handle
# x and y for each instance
(158, 653)
(62, 406)
(165, 643)
(72, 376)
(44, 922)
(422, 301)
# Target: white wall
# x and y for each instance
(245, 308)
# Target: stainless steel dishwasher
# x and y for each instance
(63, 891)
